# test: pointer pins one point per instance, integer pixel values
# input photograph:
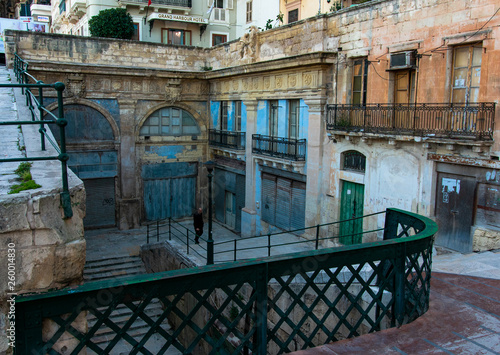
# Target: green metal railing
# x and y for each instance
(267, 244)
(260, 306)
(34, 92)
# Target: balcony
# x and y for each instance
(227, 139)
(167, 4)
(283, 148)
(463, 121)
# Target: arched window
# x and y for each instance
(354, 161)
(170, 121)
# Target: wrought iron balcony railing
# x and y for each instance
(227, 139)
(285, 148)
(472, 121)
(180, 3)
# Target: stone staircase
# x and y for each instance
(109, 269)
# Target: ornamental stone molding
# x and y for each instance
(75, 86)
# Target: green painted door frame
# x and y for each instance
(351, 206)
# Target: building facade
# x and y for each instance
(383, 104)
(180, 22)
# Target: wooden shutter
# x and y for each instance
(268, 198)
(283, 200)
(298, 205)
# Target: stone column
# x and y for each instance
(249, 213)
(315, 137)
(129, 203)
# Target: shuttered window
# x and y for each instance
(283, 202)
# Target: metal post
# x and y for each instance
(399, 285)
(261, 306)
(269, 245)
(63, 157)
(169, 228)
(187, 240)
(235, 250)
(210, 241)
(40, 105)
(317, 236)
(157, 231)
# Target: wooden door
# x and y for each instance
(454, 211)
(351, 206)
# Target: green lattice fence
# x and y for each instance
(262, 306)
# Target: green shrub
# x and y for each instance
(112, 23)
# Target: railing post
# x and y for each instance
(261, 311)
(317, 236)
(63, 157)
(269, 245)
(157, 231)
(40, 105)
(187, 240)
(169, 228)
(399, 285)
(235, 249)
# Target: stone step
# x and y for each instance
(108, 269)
(112, 268)
(115, 261)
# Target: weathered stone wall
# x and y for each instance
(101, 51)
(48, 251)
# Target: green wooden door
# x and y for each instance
(351, 206)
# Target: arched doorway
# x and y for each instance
(90, 140)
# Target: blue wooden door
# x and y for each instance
(165, 198)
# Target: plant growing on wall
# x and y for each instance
(27, 182)
(112, 23)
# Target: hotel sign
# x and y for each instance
(174, 17)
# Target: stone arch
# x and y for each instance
(197, 116)
(106, 130)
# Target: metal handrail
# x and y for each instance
(453, 120)
(174, 230)
(168, 229)
(41, 116)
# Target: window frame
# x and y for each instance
(363, 63)
(249, 6)
(273, 118)
(357, 167)
(161, 117)
(469, 72)
(237, 115)
(214, 35)
(224, 119)
(290, 11)
(169, 41)
(293, 118)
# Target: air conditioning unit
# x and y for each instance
(402, 60)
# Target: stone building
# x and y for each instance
(181, 22)
(389, 103)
